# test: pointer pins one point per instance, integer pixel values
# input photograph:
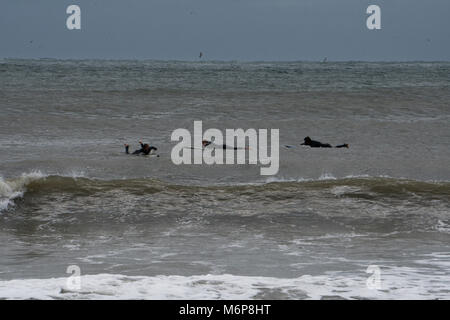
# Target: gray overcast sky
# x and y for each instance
(226, 29)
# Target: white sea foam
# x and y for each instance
(442, 226)
(281, 179)
(15, 188)
(341, 190)
(396, 283)
(322, 177)
(327, 176)
(75, 174)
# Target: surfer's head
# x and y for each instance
(307, 141)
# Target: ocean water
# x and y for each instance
(143, 228)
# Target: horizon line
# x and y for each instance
(227, 61)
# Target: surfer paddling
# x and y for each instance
(145, 149)
(318, 144)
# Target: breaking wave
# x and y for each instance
(37, 183)
(15, 188)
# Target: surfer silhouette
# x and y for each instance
(318, 144)
(145, 149)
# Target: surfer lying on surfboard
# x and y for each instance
(318, 144)
(145, 149)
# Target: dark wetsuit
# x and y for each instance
(318, 144)
(145, 149)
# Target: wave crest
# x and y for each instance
(15, 188)
(37, 184)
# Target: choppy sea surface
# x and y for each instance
(143, 228)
